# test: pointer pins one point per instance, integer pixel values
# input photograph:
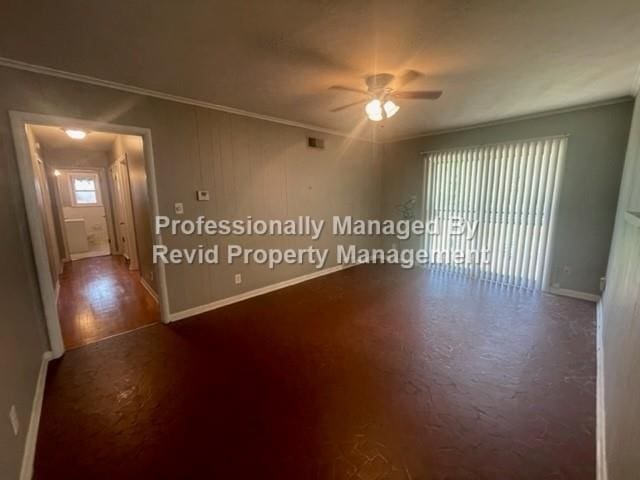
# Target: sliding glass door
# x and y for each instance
(491, 208)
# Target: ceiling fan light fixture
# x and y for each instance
(390, 108)
(373, 109)
(379, 94)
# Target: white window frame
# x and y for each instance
(72, 189)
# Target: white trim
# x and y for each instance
(90, 254)
(59, 208)
(26, 471)
(53, 72)
(122, 190)
(36, 229)
(565, 292)
(425, 198)
(57, 290)
(148, 288)
(18, 122)
(96, 181)
(601, 432)
(515, 118)
(254, 293)
(553, 218)
(635, 86)
(93, 342)
(632, 218)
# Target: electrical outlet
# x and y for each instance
(178, 208)
(603, 283)
(238, 278)
(13, 416)
(566, 270)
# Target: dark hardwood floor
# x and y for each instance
(370, 373)
(101, 297)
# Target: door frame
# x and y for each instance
(19, 120)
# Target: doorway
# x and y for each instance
(83, 204)
(90, 195)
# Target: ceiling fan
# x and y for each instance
(380, 95)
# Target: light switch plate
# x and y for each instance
(202, 195)
(179, 208)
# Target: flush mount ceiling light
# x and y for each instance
(57, 172)
(380, 95)
(75, 133)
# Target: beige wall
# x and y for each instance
(621, 325)
(586, 209)
(22, 331)
(250, 166)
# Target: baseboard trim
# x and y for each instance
(601, 433)
(565, 292)
(254, 293)
(83, 255)
(149, 289)
(26, 471)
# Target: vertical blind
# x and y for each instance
(508, 193)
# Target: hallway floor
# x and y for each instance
(101, 297)
(370, 373)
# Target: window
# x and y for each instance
(84, 188)
(505, 194)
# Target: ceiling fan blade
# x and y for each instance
(348, 89)
(418, 94)
(406, 77)
(349, 105)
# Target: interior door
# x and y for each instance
(118, 210)
(124, 216)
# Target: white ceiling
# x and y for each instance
(494, 59)
(54, 138)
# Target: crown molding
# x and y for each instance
(517, 118)
(53, 72)
(77, 77)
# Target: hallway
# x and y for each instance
(101, 297)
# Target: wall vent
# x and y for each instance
(315, 142)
